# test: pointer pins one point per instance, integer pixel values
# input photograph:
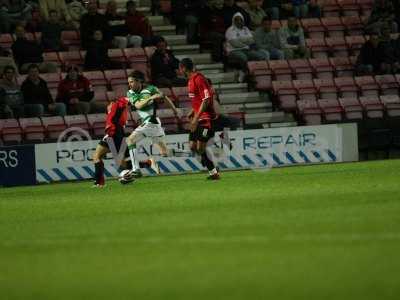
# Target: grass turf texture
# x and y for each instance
(316, 232)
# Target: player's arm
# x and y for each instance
(172, 105)
(142, 103)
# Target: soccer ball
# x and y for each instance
(125, 177)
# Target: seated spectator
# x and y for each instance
(292, 40)
(12, 100)
(118, 29)
(230, 8)
(272, 8)
(91, 22)
(240, 45)
(27, 52)
(14, 12)
(212, 27)
(267, 39)
(76, 10)
(76, 92)
(300, 8)
(164, 67)
(46, 6)
(383, 14)
(390, 47)
(370, 61)
(51, 33)
(185, 16)
(6, 59)
(96, 57)
(138, 24)
(37, 97)
(256, 14)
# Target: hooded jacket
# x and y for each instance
(238, 38)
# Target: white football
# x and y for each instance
(124, 177)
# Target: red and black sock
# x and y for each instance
(206, 162)
(99, 172)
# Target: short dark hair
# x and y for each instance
(187, 63)
(130, 3)
(33, 66)
(138, 75)
(7, 68)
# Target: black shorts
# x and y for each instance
(202, 134)
(117, 139)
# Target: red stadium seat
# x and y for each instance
(71, 58)
(337, 46)
(331, 8)
(182, 95)
(6, 40)
(387, 84)
(392, 105)
(310, 111)
(97, 124)
(333, 26)
(280, 69)
(11, 131)
(349, 7)
(52, 79)
(326, 88)
(120, 90)
(258, 68)
(373, 106)
(100, 96)
(353, 25)
(51, 57)
(149, 51)
(80, 123)
(117, 55)
(286, 94)
(116, 77)
(54, 126)
(318, 47)
(96, 78)
(322, 67)
(352, 108)
(305, 89)
(301, 68)
(346, 86)
(343, 66)
(71, 39)
(21, 78)
(263, 82)
(367, 85)
(135, 55)
(313, 27)
(354, 43)
(331, 110)
(33, 129)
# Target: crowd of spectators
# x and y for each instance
(234, 31)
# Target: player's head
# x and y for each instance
(136, 80)
(186, 66)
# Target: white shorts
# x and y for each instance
(150, 130)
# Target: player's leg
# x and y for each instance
(132, 140)
(203, 136)
(100, 152)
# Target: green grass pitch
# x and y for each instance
(314, 232)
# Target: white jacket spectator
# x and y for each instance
(76, 10)
(240, 44)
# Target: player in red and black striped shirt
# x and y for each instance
(117, 116)
(202, 115)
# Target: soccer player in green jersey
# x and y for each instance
(142, 98)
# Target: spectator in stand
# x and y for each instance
(12, 100)
(382, 15)
(272, 8)
(390, 58)
(91, 22)
(37, 97)
(76, 10)
(241, 45)
(119, 31)
(230, 8)
(46, 6)
(256, 14)
(138, 24)
(212, 27)
(292, 40)
(164, 67)
(185, 14)
(6, 59)
(76, 92)
(370, 61)
(27, 52)
(299, 8)
(14, 12)
(97, 54)
(51, 33)
(267, 39)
